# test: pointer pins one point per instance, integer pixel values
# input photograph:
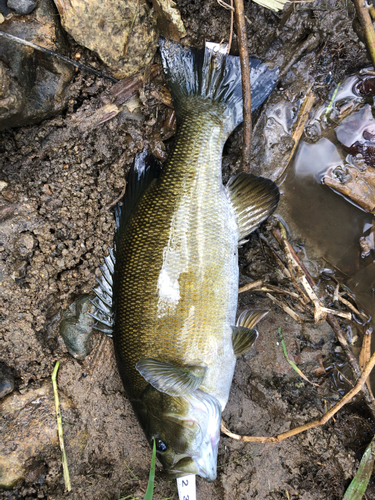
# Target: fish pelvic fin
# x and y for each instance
(215, 76)
(253, 200)
(144, 171)
(244, 333)
(171, 379)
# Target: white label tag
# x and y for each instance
(186, 487)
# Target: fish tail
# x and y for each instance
(215, 76)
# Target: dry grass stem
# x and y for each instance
(60, 428)
(349, 305)
(365, 354)
(299, 127)
(286, 308)
(250, 286)
(310, 425)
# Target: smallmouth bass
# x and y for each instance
(169, 289)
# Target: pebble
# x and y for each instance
(22, 7)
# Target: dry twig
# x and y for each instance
(315, 423)
(117, 199)
(365, 20)
(239, 14)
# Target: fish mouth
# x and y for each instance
(187, 466)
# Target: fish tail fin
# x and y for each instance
(215, 76)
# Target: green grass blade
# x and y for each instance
(359, 484)
(292, 363)
(150, 486)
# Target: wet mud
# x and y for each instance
(58, 180)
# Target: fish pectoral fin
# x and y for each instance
(253, 199)
(243, 338)
(171, 379)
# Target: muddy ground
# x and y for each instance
(55, 229)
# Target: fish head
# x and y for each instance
(186, 430)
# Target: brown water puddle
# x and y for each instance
(332, 226)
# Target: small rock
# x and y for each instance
(25, 245)
(33, 86)
(124, 34)
(6, 381)
(75, 328)
(22, 7)
(3, 185)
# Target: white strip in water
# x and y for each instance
(186, 487)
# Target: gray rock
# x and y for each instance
(22, 7)
(75, 328)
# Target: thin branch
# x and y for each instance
(315, 423)
(239, 14)
(331, 320)
(366, 23)
(117, 199)
(55, 54)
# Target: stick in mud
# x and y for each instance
(310, 425)
(239, 14)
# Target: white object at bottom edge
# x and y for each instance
(186, 487)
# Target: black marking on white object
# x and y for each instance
(186, 487)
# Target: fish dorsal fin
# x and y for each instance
(244, 334)
(144, 171)
(253, 199)
(103, 314)
(171, 379)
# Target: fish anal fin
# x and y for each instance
(251, 317)
(253, 200)
(171, 379)
(243, 338)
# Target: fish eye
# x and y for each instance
(161, 447)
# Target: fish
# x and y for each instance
(169, 287)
